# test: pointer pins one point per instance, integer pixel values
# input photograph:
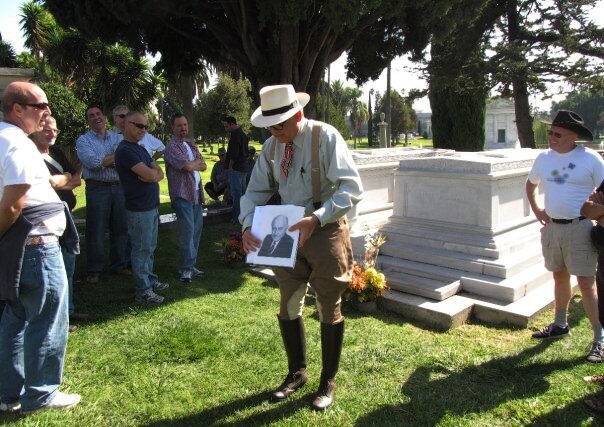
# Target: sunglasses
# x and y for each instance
(278, 126)
(121, 116)
(140, 125)
(556, 134)
(38, 106)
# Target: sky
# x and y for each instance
(403, 76)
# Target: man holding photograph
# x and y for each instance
(324, 257)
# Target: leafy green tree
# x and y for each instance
(358, 115)
(269, 41)
(228, 98)
(68, 110)
(589, 105)
(403, 117)
(545, 41)
(8, 58)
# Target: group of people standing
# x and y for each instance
(122, 191)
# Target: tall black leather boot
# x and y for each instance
(332, 337)
(294, 341)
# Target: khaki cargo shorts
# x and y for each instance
(568, 246)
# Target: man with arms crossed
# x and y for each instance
(33, 329)
(64, 178)
(183, 164)
(324, 256)
(568, 173)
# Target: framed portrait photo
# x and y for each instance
(279, 246)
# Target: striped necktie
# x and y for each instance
(287, 158)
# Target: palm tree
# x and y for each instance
(358, 115)
(37, 25)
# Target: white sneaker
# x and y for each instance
(60, 401)
(10, 407)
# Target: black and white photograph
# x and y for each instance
(279, 246)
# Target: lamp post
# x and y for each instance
(370, 121)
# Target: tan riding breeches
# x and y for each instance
(325, 261)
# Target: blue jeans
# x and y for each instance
(33, 330)
(105, 210)
(142, 229)
(189, 218)
(69, 260)
(238, 185)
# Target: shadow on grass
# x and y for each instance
(216, 415)
(570, 414)
(433, 392)
(113, 296)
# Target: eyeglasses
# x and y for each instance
(278, 126)
(121, 116)
(140, 125)
(38, 106)
(55, 131)
(556, 134)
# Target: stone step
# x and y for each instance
(503, 289)
(509, 289)
(442, 315)
(423, 286)
(484, 245)
(388, 264)
(454, 311)
(503, 267)
(518, 313)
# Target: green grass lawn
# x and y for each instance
(212, 352)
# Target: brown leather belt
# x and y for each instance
(40, 240)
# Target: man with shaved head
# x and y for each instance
(33, 328)
(278, 243)
(140, 175)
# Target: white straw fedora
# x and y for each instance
(277, 104)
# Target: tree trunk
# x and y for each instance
(185, 91)
(524, 121)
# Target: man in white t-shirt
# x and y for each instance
(33, 328)
(568, 174)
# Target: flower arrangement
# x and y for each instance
(367, 282)
(232, 248)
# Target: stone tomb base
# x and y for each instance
(462, 241)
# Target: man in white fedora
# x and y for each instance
(324, 257)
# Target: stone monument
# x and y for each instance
(383, 131)
(462, 240)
